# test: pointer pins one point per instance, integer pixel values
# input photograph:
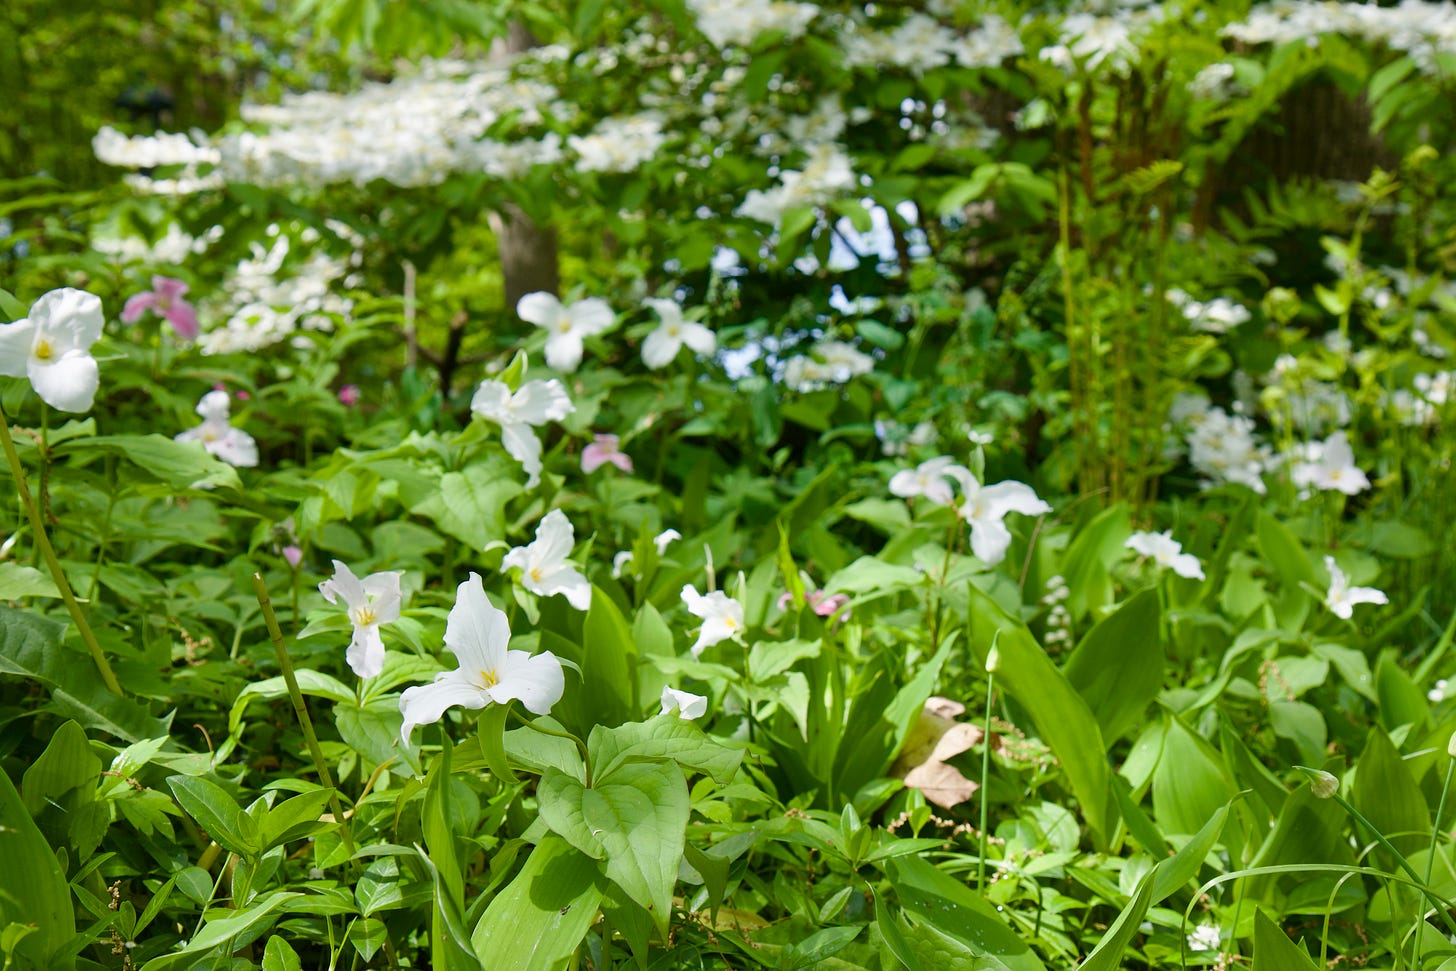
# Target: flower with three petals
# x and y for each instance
(984, 509)
(164, 299)
(372, 601)
(543, 565)
(722, 617)
(517, 413)
(52, 347)
(664, 343)
(1166, 552)
(1341, 598)
(219, 436)
(566, 325)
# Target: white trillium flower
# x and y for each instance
(722, 617)
(52, 347)
(985, 508)
(1341, 598)
(1332, 467)
(687, 705)
(1166, 552)
(566, 325)
(931, 479)
(534, 403)
(664, 343)
(543, 566)
(477, 633)
(216, 433)
(372, 601)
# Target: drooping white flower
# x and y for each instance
(620, 561)
(372, 601)
(1166, 552)
(543, 565)
(52, 347)
(687, 705)
(665, 539)
(1341, 598)
(218, 435)
(722, 617)
(931, 479)
(478, 634)
(566, 324)
(1331, 467)
(984, 508)
(534, 403)
(664, 343)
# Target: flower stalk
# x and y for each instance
(285, 664)
(48, 553)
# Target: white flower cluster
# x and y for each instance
(826, 174)
(1092, 40)
(618, 144)
(828, 362)
(897, 440)
(729, 22)
(266, 302)
(1422, 403)
(175, 247)
(151, 151)
(1058, 619)
(919, 44)
(1421, 30)
(1217, 316)
(1223, 448)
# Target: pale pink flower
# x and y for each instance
(164, 299)
(293, 554)
(602, 450)
(349, 395)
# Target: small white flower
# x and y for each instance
(722, 617)
(620, 562)
(1166, 552)
(1341, 598)
(931, 479)
(229, 443)
(52, 347)
(477, 633)
(1438, 693)
(687, 705)
(534, 403)
(372, 601)
(664, 343)
(1205, 937)
(1332, 467)
(665, 539)
(543, 565)
(985, 508)
(566, 325)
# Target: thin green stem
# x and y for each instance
(580, 745)
(986, 761)
(43, 543)
(1435, 839)
(285, 663)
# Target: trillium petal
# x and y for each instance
(235, 447)
(523, 445)
(554, 540)
(384, 594)
(1186, 565)
(989, 540)
(687, 705)
(1005, 497)
(169, 288)
(540, 308)
(342, 584)
(16, 342)
(424, 704)
(476, 631)
(366, 651)
(660, 347)
(490, 400)
(564, 350)
(183, 318)
(70, 318)
(591, 316)
(215, 406)
(136, 305)
(535, 680)
(700, 339)
(538, 402)
(67, 383)
(668, 311)
(570, 583)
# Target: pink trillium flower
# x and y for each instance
(165, 299)
(825, 605)
(602, 450)
(349, 395)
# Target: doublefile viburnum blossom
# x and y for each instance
(220, 437)
(52, 347)
(478, 634)
(664, 343)
(1166, 552)
(164, 299)
(687, 705)
(722, 617)
(1341, 598)
(567, 325)
(931, 479)
(371, 601)
(984, 509)
(534, 403)
(602, 451)
(543, 565)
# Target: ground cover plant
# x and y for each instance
(706, 485)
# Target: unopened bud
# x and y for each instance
(1322, 784)
(1451, 746)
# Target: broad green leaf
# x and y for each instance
(1092, 552)
(279, 955)
(1388, 795)
(640, 814)
(943, 902)
(608, 666)
(33, 890)
(1118, 666)
(182, 465)
(243, 927)
(1274, 951)
(310, 682)
(659, 739)
(66, 763)
(538, 921)
(379, 887)
(561, 801)
(1062, 717)
(296, 818)
(18, 581)
(1189, 784)
(30, 647)
(1401, 702)
(471, 503)
(217, 813)
(373, 732)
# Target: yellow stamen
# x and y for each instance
(364, 616)
(489, 679)
(535, 573)
(43, 350)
